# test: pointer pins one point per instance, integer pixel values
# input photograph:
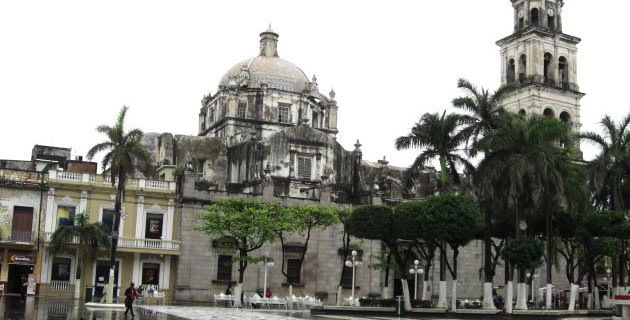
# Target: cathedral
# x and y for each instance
(269, 133)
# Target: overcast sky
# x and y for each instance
(68, 66)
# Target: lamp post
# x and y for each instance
(415, 270)
(532, 286)
(608, 281)
(353, 263)
(266, 262)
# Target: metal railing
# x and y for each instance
(107, 179)
(136, 243)
(58, 285)
(19, 236)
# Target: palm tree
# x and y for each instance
(485, 114)
(608, 175)
(125, 154)
(526, 167)
(609, 171)
(484, 109)
(88, 236)
(440, 139)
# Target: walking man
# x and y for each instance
(130, 295)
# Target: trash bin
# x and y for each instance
(400, 306)
(88, 293)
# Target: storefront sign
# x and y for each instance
(22, 257)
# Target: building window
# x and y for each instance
(304, 167)
(534, 17)
(65, 216)
(283, 114)
(511, 71)
(563, 72)
(293, 271)
(107, 219)
(522, 68)
(151, 273)
(547, 70)
(242, 108)
(154, 226)
(60, 269)
(315, 120)
(548, 113)
(224, 268)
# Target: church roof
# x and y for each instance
(267, 68)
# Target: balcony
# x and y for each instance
(135, 244)
(58, 285)
(107, 180)
(22, 237)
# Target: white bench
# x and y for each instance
(223, 298)
(622, 301)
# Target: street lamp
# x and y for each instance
(415, 270)
(608, 281)
(353, 263)
(266, 261)
(532, 285)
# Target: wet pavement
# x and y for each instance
(36, 308)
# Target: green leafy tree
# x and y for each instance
(526, 167)
(124, 154)
(440, 139)
(88, 236)
(524, 253)
(378, 222)
(246, 223)
(303, 219)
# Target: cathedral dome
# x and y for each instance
(267, 69)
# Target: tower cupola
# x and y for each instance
(544, 14)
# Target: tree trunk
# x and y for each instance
(549, 260)
(548, 297)
(442, 298)
(573, 297)
(509, 296)
(488, 299)
(521, 296)
(488, 275)
(454, 296)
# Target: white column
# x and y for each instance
(140, 217)
(166, 275)
(135, 276)
(50, 214)
(83, 202)
(45, 271)
(168, 233)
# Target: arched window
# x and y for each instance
(534, 17)
(548, 71)
(551, 21)
(522, 112)
(563, 72)
(548, 113)
(522, 67)
(565, 117)
(511, 71)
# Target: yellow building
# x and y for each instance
(147, 252)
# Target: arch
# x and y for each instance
(522, 68)
(565, 117)
(547, 70)
(563, 72)
(551, 20)
(511, 71)
(549, 113)
(522, 112)
(533, 17)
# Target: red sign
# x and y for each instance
(22, 257)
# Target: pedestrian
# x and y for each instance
(24, 288)
(268, 294)
(130, 295)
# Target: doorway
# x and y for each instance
(101, 278)
(15, 276)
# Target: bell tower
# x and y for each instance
(541, 61)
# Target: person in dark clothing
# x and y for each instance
(24, 288)
(130, 295)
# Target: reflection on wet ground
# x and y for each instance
(36, 308)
